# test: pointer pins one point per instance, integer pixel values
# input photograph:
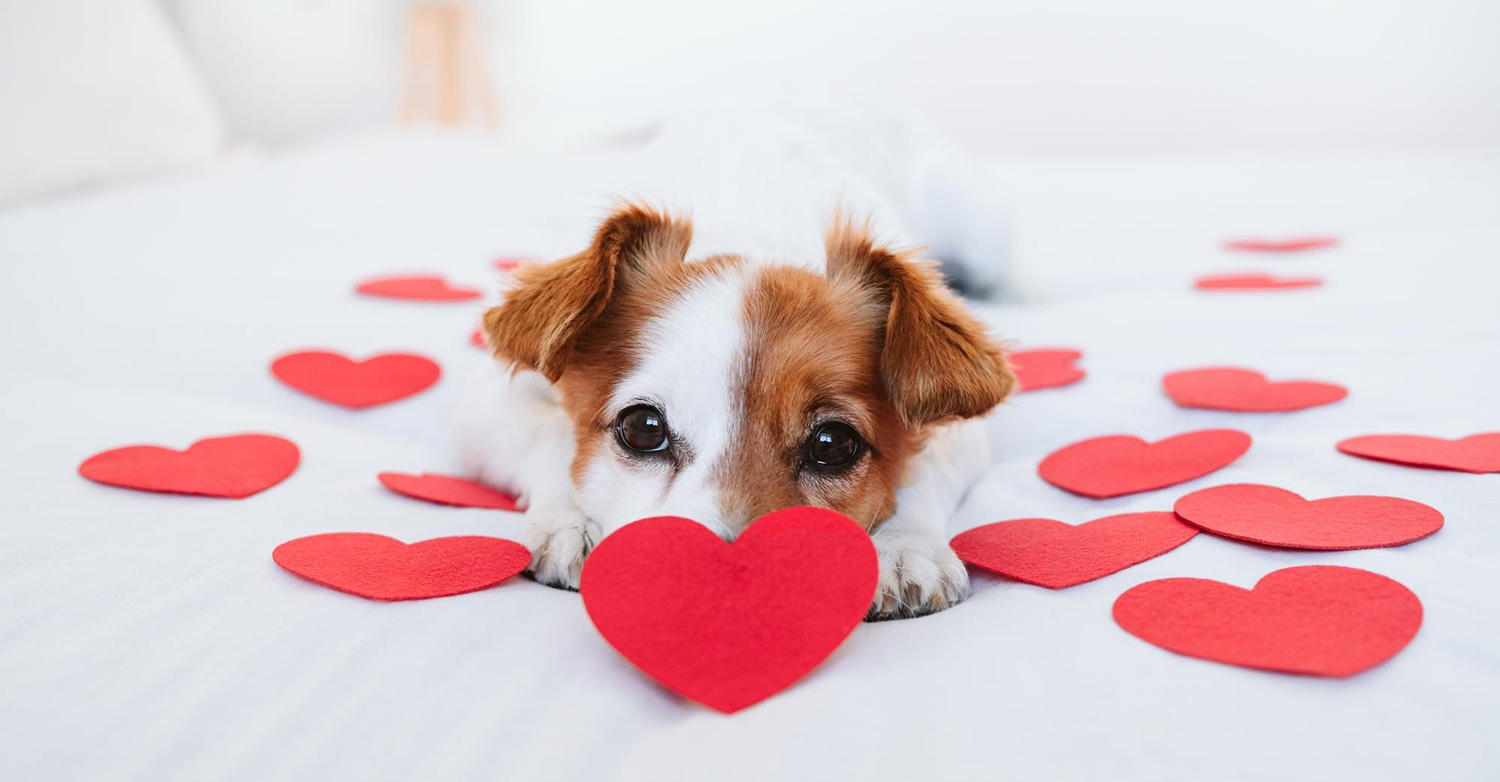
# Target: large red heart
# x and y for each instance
(1320, 620)
(1056, 555)
(1276, 517)
(1253, 282)
(730, 625)
(1038, 369)
(1121, 464)
(382, 568)
(418, 287)
(447, 491)
(1282, 245)
(236, 466)
(1243, 390)
(1479, 453)
(356, 384)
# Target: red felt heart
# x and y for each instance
(1038, 369)
(1056, 555)
(1277, 517)
(382, 568)
(477, 339)
(1243, 390)
(1479, 453)
(1253, 282)
(447, 491)
(1122, 464)
(512, 262)
(418, 287)
(730, 625)
(1282, 245)
(356, 384)
(1319, 620)
(236, 466)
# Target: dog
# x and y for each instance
(631, 382)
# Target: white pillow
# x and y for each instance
(289, 70)
(94, 91)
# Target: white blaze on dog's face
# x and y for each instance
(720, 391)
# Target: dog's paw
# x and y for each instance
(559, 543)
(919, 575)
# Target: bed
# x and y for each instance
(151, 637)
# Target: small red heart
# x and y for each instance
(477, 339)
(512, 262)
(1246, 391)
(1253, 282)
(1319, 620)
(1039, 369)
(1282, 245)
(729, 625)
(1478, 453)
(356, 384)
(1121, 464)
(382, 568)
(418, 288)
(1276, 517)
(236, 466)
(1057, 555)
(447, 491)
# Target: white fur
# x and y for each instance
(687, 369)
(917, 568)
(510, 432)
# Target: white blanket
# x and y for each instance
(151, 637)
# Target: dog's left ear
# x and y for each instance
(937, 361)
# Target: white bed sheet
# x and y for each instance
(150, 637)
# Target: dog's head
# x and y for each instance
(719, 391)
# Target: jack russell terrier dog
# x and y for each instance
(633, 382)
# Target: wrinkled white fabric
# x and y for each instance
(151, 637)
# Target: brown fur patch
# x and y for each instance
(813, 355)
(552, 305)
(937, 361)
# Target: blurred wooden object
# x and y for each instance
(447, 80)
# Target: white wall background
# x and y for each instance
(1041, 77)
(1012, 77)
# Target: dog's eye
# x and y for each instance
(642, 428)
(834, 446)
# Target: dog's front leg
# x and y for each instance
(919, 573)
(512, 434)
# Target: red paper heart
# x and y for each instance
(418, 287)
(1121, 464)
(730, 625)
(512, 262)
(1056, 555)
(356, 384)
(1319, 620)
(1282, 245)
(1246, 391)
(1253, 282)
(448, 491)
(1039, 369)
(382, 568)
(1479, 453)
(236, 466)
(1277, 517)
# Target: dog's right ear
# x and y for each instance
(552, 304)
